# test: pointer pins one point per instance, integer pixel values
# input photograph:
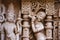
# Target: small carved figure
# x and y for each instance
(37, 25)
(9, 25)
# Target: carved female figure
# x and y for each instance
(37, 25)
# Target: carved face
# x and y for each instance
(10, 15)
(41, 15)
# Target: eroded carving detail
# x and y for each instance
(37, 25)
(9, 25)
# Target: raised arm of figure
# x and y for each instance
(19, 27)
(33, 27)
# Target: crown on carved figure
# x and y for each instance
(11, 8)
(10, 15)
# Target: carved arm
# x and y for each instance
(33, 27)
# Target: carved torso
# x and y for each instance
(9, 27)
(39, 26)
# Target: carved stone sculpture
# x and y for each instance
(26, 10)
(26, 26)
(59, 31)
(49, 27)
(37, 26)
(49, 30)
(9, 25)
(38, 18)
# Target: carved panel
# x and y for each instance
(36, 20)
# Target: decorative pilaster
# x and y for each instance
(50, 12)
(26, 25)
(49, 27)
(2, 12)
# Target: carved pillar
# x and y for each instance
(49, 30)
(55, 24)
(49, 11)
(26, 26)
(49, 27)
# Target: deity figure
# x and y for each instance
(9, 24)
(2, 12)
(37, 25)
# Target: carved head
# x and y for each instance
(41, 15)
(10, 15)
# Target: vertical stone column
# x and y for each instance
(49, 30)
(49, 27)
(50, 11)
(26, 26)
(26, 30)
(26, 10)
